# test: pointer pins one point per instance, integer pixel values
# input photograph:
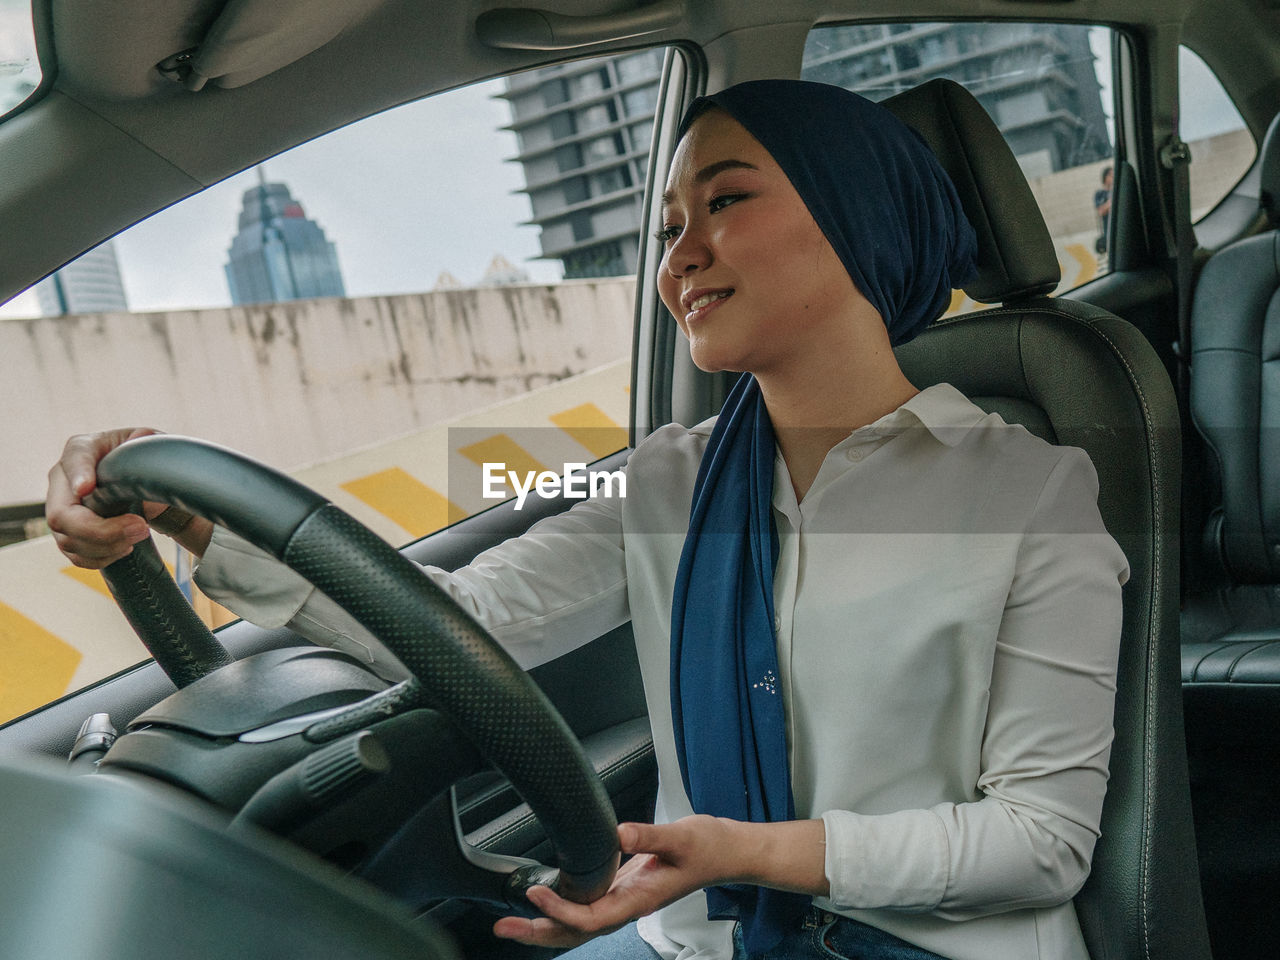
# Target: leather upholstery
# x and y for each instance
(1015, 252)
(1235, 400)
(1231, 630)
(1077, 375)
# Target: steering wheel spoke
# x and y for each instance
(435, 839)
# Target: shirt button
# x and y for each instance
(854, 454)
(777, 622)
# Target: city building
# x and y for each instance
(89, 284)
(583, 131)
(1037, 80)
(278, 254)
(583, 128)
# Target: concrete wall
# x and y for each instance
(345, 374)
(296, 383)
(1066, 198)
(60, 630)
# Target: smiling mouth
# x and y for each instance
(707, 299)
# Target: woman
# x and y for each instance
(878, 628)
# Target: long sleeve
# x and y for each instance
(1028, 839)
(542, 594)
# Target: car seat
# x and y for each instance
(1231, 619)
(1077, 375)
(1231, 628)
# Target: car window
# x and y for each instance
(1222, 148)
(1046, 85)
(418, 315)
(19, 67)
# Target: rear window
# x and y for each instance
(1222, 148)
(19, 67)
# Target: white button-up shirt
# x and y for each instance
(948, 621)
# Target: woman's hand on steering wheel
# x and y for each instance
(668, 861)
(671, 860)
(85, 538)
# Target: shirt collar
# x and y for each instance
(942, 409)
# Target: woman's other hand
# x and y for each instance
(671, 860)
(668, 861)
(87, 539)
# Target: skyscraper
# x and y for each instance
(89, 284)
(1037, 80)
(278, 254)
(583, 128)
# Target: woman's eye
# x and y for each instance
(724, 200)
(667, 234)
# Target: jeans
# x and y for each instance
(821, 935)
(622, 944)
(831, 937)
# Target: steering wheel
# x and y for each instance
(462, 671)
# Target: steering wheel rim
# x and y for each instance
(462, 669)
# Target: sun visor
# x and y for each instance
(252, 38)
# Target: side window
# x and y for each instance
(19, 68)
(1222, 148)
(401, 314)
(1046, 85)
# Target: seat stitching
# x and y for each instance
(1231, 670)
(1156, 592)
(1195, 670)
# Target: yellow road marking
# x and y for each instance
(960, 303)
(90, 578)
(213, 614)
(593, 428)
(37, 665)
(500, 448)
(1088, 262)
(93, 578)
(405, 500)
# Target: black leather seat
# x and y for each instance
(1231, 618)
(1231, 630)
(1077, 375)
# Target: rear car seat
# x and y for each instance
(1231, 616)
(1231, 627)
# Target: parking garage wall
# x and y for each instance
(298, 382)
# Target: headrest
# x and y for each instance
(1270, 192)
(1016, 259)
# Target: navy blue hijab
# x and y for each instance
(892, 216)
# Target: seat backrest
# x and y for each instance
(1077, 375)
(1235, 396)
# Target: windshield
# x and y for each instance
(19, 68)
(398, 314)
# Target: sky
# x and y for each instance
(1206, 109)
(18, 66)
(405, 195)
